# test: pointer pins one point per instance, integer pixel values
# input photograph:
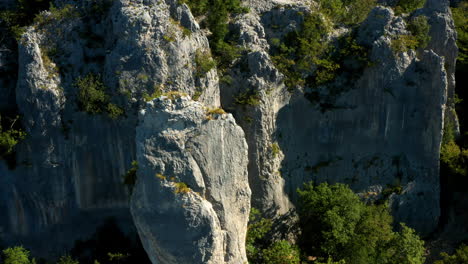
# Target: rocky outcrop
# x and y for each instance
(192, 199)
(71, 162)
(384, 131)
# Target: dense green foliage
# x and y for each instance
(250, 97)
(335, 223)
(9, 136)
(460, 256)
(22, 14)
(93, 97)
(262, 251)
(419, 28)
(17, 255)
(460, 16)
(204, 63)
(300, 50)
(217, 13)
(307, 57)
(408, 6)
(281, 252)
(349, 12)
(418, 38)
(336, 228)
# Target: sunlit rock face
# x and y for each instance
(192, 199)
(383, 131)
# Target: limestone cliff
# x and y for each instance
(192, 199)
(382, 131)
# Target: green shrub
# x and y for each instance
(156, 93)
(217, 13)
(17, 255)
(403, 43)
(249, 97)
(113, 111)
(454, 158)
(419, 28)
(56, 14)
(204, 63)
(408, 6)
(198, 7)
(93, 97)
(306, 58)
(181, 187)
(460, 256)
(275, 149)
(262, 251)
(257, 228)
(336, 223)
(9, 137)
(405, 247)
(130, 177)
(460, 18)
(22, 15)
(349, 12)
(281, 252)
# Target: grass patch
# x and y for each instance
(275, 149)
(212, 112)
(160, 176)
(204, 63)
(181, 187)
(156, 93)
(174, 95)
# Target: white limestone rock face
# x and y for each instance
(385, 130)
(71, 163)
(178, 145)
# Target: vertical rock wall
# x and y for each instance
(192, 199)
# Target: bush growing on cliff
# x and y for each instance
(408, 6)
(93, 97)
(22, 14)
(307, 57)
(204, 63)
(217, 18)
(349, 12)
(10, 136)
(419, 28)
(460, 17)
(262, 251)
(418, 38)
